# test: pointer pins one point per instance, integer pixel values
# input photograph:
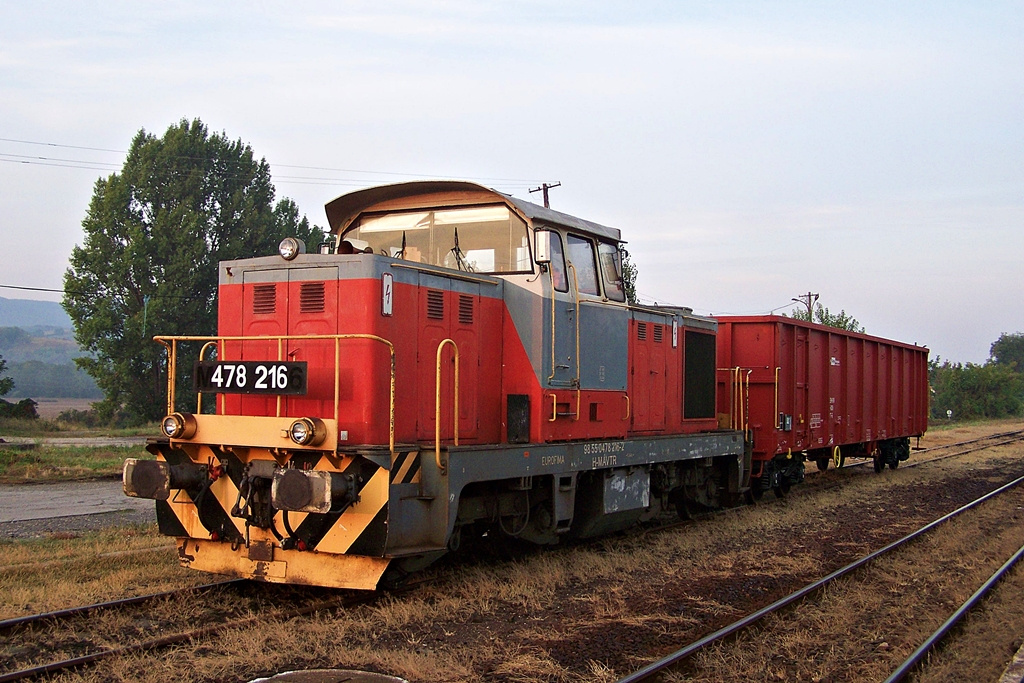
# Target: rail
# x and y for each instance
(171, 344)
(648, 672)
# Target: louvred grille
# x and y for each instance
(264, 299)
(465, 309)
(311, 297)
(435, 304)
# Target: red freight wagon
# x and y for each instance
(806, 391)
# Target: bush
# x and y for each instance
(84, 418)
(24, 409)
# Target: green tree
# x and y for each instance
(1008, 351)
(972, 391)
(823, 316)
(154, 234)
(6, 383)
(628, 275)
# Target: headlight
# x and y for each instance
(308, 431)
(179, 426)
(291, 247)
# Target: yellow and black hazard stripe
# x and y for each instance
(405, 468)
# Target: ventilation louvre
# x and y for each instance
(311, 297)
(465, 309)
(659, 331)
(435, 304)
(641, 331)
(264, 299)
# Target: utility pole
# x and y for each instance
(544, 188)
(808, 300)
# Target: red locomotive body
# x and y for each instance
(797, 387)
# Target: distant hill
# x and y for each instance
(28, 313)
(37, 343)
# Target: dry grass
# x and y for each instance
(593, 612)
(42, 575)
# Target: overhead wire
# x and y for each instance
(101, 165)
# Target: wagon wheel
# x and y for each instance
(838, 457)
(782, 488)
(823, 463)
(894, 463)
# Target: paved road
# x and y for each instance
(66, 499)
(98, 441)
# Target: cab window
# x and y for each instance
(558, 278)
(611, 271)
(581, 256)
(479, 239)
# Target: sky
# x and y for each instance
(750, 152)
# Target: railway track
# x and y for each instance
(675, 659)
(39, 644)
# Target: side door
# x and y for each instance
(560, 318)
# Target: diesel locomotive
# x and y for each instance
(456, 362)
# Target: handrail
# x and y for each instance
(171, 344)
(551, 278)
(199, 394)
(437, 401)
(576, 298)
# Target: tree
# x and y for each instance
(973, 391)
(823, 316)
(628, 275)
(6, 383)
(148, 265)
(1008, 351)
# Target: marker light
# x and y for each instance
(290, 247)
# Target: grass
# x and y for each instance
(513, 621)
(61, 463)
(45, 574)
(42, 428)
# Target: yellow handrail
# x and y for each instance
(199, 394)
(437, 401)
(576, 298)
(171, 344)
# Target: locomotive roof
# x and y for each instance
(343, 210)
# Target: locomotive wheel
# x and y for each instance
(838, 457)
(879, 464)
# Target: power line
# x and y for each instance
(516, 181)
(64, 291)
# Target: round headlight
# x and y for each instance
(308, 431)
(301, 432)
(291, 247)
(179, 426)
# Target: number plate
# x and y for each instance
(250, 377)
